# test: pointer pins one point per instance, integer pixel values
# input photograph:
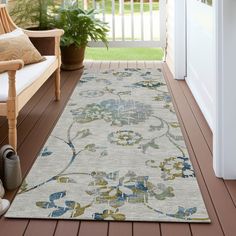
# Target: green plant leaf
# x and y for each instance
(80, 26)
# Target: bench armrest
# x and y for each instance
(44, 33)
(12, 65)
(46, 41)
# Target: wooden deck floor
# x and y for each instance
(39, 116)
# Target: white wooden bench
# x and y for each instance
(20, 83)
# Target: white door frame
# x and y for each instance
(180, 56)
(224, 129)
(224, 157)
(180, 40)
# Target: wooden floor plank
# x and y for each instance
(132, 64)
(157, 64)
(231, 186)
(67, 228)
(149, 64)
(213, 229)
(149, 229)
(173, 228)
(141, 64)
(41, 227)
(90, 228)
(114, 65)
(88, 64)
(12, 227)
(221, 208)
(169, 229)
(197, 229)
(38, 133)
(95, 67)
(223, 203)
(123, 64)
(105, 65)
(206, 131)
(10, 194)
(25, 110)
(32, 119)
(120, 229)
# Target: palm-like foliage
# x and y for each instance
(27, 13)
(80, 26)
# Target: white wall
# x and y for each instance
(170, 25)
(176, 50)
(201, 56)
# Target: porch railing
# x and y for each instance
(133, 23)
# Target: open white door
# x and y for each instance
(201, 55)
(205, 52)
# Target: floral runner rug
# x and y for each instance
(116, 153)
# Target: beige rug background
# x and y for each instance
(116, 153)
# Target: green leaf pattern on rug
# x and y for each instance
(90, 147)
(64, 179)
(129, 188)
(173, 167)
(109, 214)
(166, 99)
(150, 84)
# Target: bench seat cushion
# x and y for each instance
(24, 77)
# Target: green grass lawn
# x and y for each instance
(127, 6)
(124, 54)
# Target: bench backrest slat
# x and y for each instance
(6, 23)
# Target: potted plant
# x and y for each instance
(80, 27)
(33, 14)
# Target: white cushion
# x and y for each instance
(14, 33)
(24, 77)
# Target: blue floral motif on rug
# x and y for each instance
(116, 153)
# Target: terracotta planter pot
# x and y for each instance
(72, 57)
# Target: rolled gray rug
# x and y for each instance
(2, 191)
(1, 166)
(6, 150)
(12, 171)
